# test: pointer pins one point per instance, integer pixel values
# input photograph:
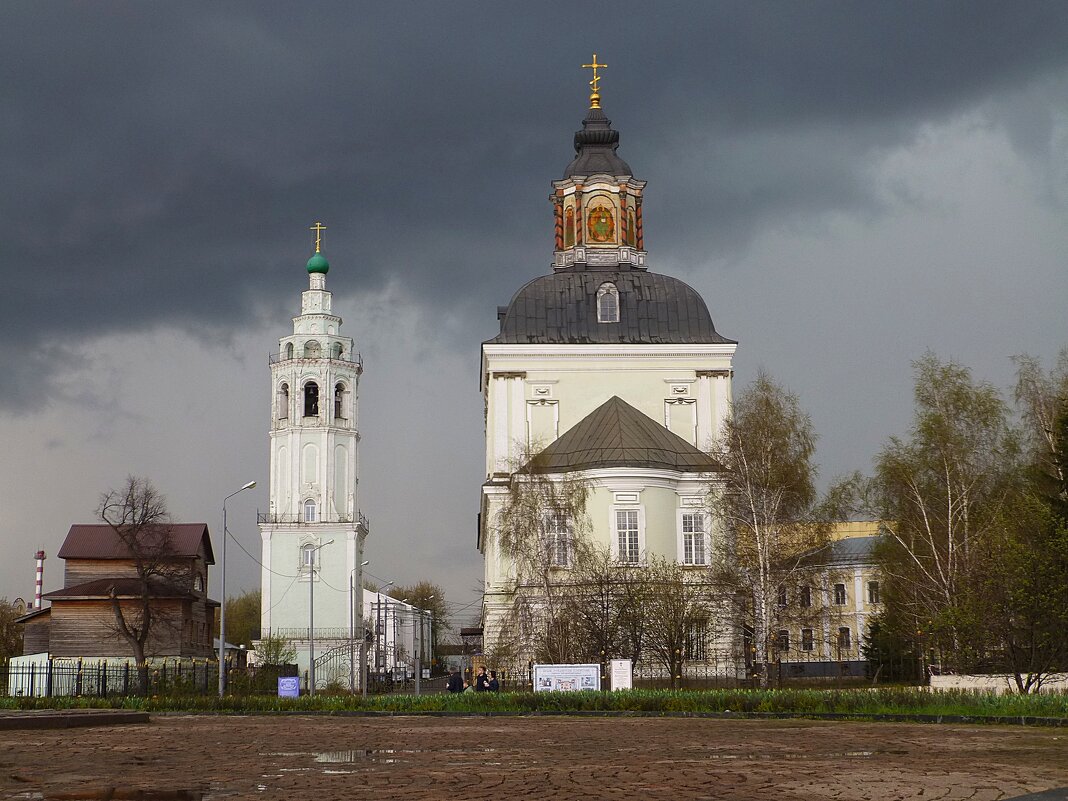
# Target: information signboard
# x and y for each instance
(565, 678)
(289, 686)
(622, 674)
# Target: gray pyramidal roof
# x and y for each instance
(615, 434)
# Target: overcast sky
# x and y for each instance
(847, 185)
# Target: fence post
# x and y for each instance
(48, 679)
(126, 678)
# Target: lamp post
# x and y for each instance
(222, 609)
(378, 627)
(313, 552)
(419, 650)
(352, 629)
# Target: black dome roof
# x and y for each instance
(562, 308)
(595, 148)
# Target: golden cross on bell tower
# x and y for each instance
(595, 84)
(319, 228)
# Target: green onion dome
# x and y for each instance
(318, 264)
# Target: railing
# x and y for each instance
(337, 633)
(356, 359)
(298, 517)
(101, 678)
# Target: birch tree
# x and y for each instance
(769, 506)
(944, 493)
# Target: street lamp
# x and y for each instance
(310, 553)
(222, 609)
(378, 627)
(419, 649)
(352, 629)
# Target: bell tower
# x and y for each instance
(598, 203)
(313, 530)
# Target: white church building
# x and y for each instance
(313, 532)
(605, 371)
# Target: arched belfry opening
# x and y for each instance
(311, 399)
(283, 402)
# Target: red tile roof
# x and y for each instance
(99, 541)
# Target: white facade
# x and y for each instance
(313, 532)
(400, 635)
(599, 329)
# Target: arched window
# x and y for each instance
(309, 511)
(289, 350)
(608, 304)
(569, 227)
(311, 399)
(283, 402)
(337, 350)
(339, 402)
(312, 349)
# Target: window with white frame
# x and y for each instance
(309, 556)
(627, 535)
(309, 511)
(839, 594)
(873, 592)
(608, 303)
(694, 551)
(557, 539)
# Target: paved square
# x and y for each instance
(324, 758)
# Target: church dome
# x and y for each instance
(595, 148)
(562, 308)
(318, 264)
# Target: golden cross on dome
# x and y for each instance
(319, 228)
(595, 84)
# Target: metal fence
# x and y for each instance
(77, 677)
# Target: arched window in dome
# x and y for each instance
(289, 350)
(608, 303)
(339, 401)
(311, 399)
(283, 402)
(312, 349)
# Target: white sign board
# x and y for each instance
(564, 678)
(622, 674)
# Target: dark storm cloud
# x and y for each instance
(161, 162)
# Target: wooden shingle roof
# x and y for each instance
(615, 434)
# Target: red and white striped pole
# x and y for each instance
(39, 587)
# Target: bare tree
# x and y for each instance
(538, 528)
(607, 605)
(678, 611)
(768, 504)
(137, 514)
(10, 633)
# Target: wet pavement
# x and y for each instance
(325, 758)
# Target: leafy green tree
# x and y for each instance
(944, 493)
(242, 618)
(10, 633)
(275, 650)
